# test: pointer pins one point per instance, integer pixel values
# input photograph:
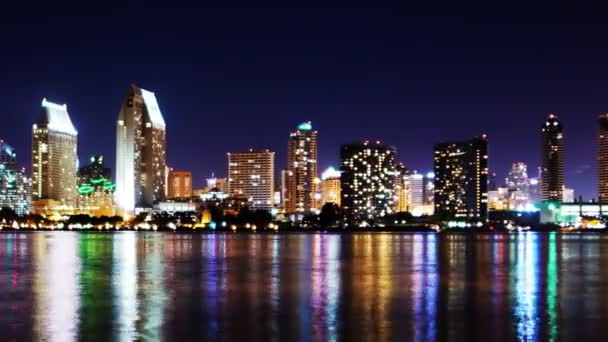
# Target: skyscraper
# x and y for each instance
(416, 189)
(251, 174)
(517, 179)
(461, 179)
(180, 184)
(367, 181)
(15, 186)
(401, 188)
(301, 170)
(54, 158)
(140, 151)
(602, 158)
(552, 159)
(330, 186)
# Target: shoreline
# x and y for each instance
(308, 231)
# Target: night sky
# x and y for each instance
(228, 79)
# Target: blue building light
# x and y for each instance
(305, 126)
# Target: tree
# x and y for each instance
(8, 214)
(330, 215)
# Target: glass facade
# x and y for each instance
(140, 152)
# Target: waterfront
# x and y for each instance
(63, 286)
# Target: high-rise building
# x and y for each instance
(96, 189)
(301, 170)
(416, 189)
(251, 174)
(180, 184)
(367, 181)
(15, 186)
(330, 186)
(461, 179)
(54, 158)
(552, 159)
(401, 188)
(602, 158)
(518, 186)
(429, 188)
(517, 179)
(140, 152)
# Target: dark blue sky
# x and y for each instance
(232, 78)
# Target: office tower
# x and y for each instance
(402, 188)
(251, 174)
(552, 159)
(180, 184)
(330, 186)
(517, 179)
(602, 158)
(367, 181)
(461, 179)
(140, 152)
(301, 170)
(429, 188)
(416, 189)
(96, 189)
(15, 186)
(518, 186)
(54, 158)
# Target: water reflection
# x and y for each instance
(56, 287)
(132, 286)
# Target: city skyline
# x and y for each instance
(398, 87)
(198, 174)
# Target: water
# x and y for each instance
(64, 286)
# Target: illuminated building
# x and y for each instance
(54, 159)
(219, 183)
(7, 154)
(517, 186)
(95, 189)
(140, 152)
(602, 158)
(367, 181)
(421, 193)
(498, 199)
(402, 189)
(301, 170)
(416, 189)
(15, 186)
(461, 179)
(517, 179)
(568, 195)
(429, 188)
(251, 174)
(180, 184)
(579, 215)
(330, 186)
(552, 159)
(534, 190)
